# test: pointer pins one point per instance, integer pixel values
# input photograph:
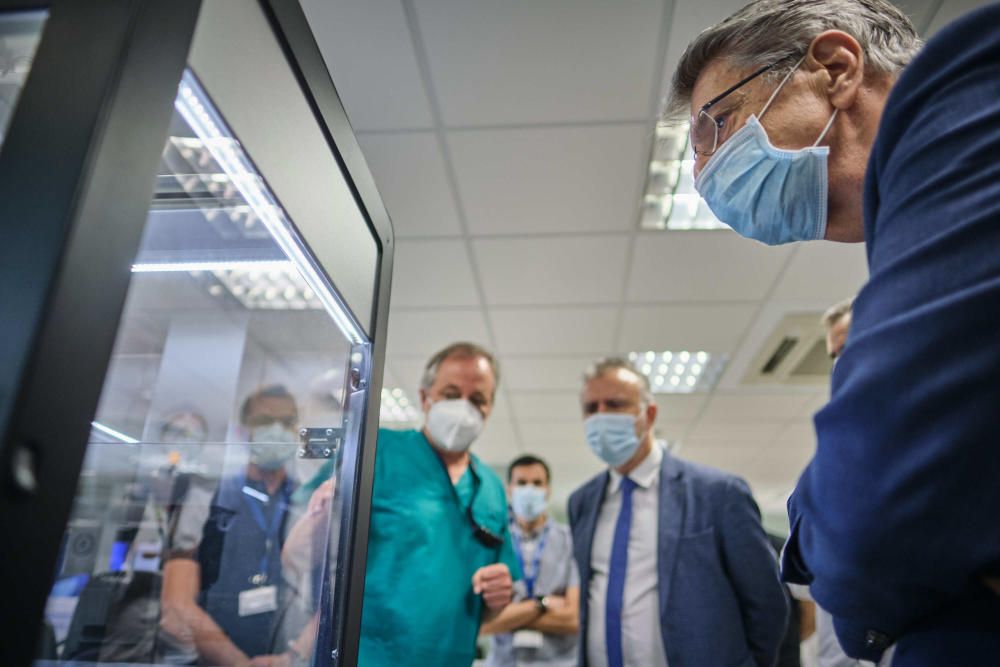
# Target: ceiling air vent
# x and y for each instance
(794, 354)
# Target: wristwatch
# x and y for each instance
(541, 604)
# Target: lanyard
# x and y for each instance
(270, 531)
(536, 565)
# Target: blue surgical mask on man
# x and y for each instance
(766, 193)
(528, 502)
(612, 436)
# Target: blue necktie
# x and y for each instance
(616, 577)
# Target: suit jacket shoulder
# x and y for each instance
(584, 493)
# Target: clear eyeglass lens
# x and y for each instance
(704, 134)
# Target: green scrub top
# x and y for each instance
(419, 608)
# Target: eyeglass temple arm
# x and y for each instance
(743, 82)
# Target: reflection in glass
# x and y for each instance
(206, 523)
(19, 36)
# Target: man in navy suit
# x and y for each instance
(674, 565)
(826, 120)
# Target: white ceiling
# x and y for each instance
(510, 142)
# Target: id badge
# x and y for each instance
(258, 600)
(528, 639)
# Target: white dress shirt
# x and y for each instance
(642, 637)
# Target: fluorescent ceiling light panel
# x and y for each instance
(396, 407)
(193, 105)
(683, 372)
(670, 200)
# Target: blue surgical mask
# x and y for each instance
(611, 435)
(528, 502)
(764, 192)
(272, 445)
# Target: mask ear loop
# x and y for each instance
(826, 129)
(780, 86)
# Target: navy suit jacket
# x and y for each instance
(721, 602)
(896, 517)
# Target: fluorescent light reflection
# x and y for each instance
(112, 433)
(194, 107)
(170, 267)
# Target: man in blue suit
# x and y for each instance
(825, 119)
(674, 565)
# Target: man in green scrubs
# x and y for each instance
(440, 560)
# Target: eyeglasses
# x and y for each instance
(705, 127)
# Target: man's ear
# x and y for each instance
(424, 402)
(651, 411)
(838, 61)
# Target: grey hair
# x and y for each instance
(461, 349)
(780, 31)
(610, 364)
(836, 312)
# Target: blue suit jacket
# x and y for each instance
(895, 519)
(721, 602)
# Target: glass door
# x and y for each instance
(206, 527)
(19, 36)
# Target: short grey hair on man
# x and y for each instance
(780, 31)
(607, 365)
(461, 349)
(836, 312)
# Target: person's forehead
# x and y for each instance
(464, 368)
(615, 382)
(528, 471)
(272, 405)
(716, 77)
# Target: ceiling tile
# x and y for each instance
(715, 329)
(670, 430)
(531, 62)
(565, 270)
(679, 407)
(576, 179)
(420, 334)
(736, 457)
(367, 42)
(920, 11)
(545, 374)
(431, 274)
(497, 445)
(823, 272)
(815, 405)
(687, 20)
(735, 408)
(547, 407)
(536, 435)
(409, 171)
(800, 433)
(723, 432)
(554, 331)
(950, 10)
(702, 266)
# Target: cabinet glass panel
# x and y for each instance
(19, 35)
(207, 518)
